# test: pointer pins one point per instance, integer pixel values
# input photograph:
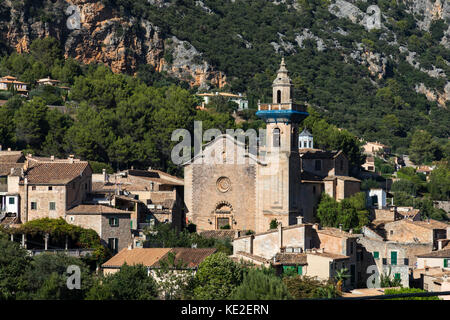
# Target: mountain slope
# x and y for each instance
(381, 84)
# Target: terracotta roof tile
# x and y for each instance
(151, 257)
(145, 256)
(95, 209)
(190, 257)
(436, 254)
(291, 258)
(55, 172)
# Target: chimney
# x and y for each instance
(52, 158)
(9, 149)
(340, 227)
(104, 176)
(12, 171)
(351, 231)
(280, 235)
(299, 219)
(71, 156)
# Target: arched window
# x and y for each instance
(278, 96)
(276, 137)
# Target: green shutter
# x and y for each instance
(394, 258)
(397, 276)
(376, 255)
(446, 263)
(300, 270)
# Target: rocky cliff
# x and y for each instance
(92, 32)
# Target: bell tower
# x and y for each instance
(278, 186)
(282, 86)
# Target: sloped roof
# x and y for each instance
(318, 154)
(151, 257)
(145, 256)
(189, 257)
(305, 133)
(5, 168)
(431, 224)
(11, 157)
(335, 232)
(436, 254)
(55, 172)
(291, 258)
(95, 209)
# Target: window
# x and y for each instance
(278, 96)
(300, 270)
(397, 276)
(394, 258)
(52, 206)
(391, 232)
(85, 186)
(33, 188)
(276, 137)
(310, 144)
(342, 165)
(33, 205)
(314, 189)
(114, 222)
(11, 200)
(50, 188)
(446, 263)
(351, 247)
(376, 255)
(318, 165)
(113, 244)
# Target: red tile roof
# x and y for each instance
(95, 209)
(151, 257)
(56, 172)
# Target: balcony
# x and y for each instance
(396, 262)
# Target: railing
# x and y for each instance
(396, 262)
(280, 106)
(69, 252)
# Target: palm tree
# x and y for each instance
(340, 277)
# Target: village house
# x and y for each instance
(189, 258)
(111, 224)
(239, 99)
(11, 83)
(36, 187)
(394, 246)
(374, 148)
(152, 195)
(305, 248)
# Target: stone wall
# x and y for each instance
(122, 232)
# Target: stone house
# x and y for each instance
(394, 246)
(111, 224)
(153, 196)
(50, 187)
(372, 148)
(439, 258)
(37, 187)
(304, 247)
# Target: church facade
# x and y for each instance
(246, 190)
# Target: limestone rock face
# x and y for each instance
(102, 34)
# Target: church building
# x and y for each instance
(276, 183)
